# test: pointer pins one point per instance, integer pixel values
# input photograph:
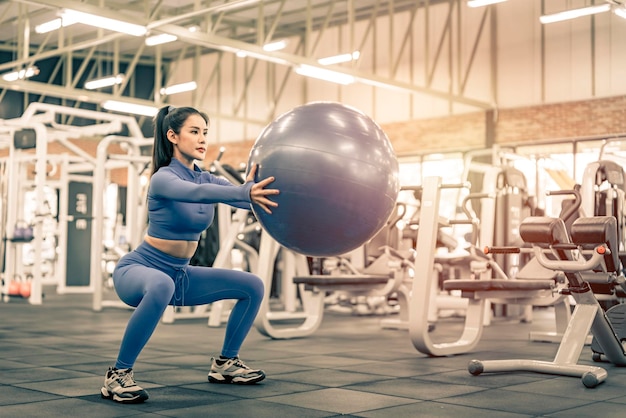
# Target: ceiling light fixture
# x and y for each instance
(54, 25)
(481, 3)
(275, 46)
(338, 59)
(104, 82)
(179, 88)
(326, 75)
(125, 107)
(575, 13)
(160, 39)
(620, 11)
(104, 22)
(21, 74)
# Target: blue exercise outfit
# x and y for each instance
(180, 206)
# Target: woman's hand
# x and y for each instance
(259, 194)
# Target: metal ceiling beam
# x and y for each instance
(281, 58)
(90, 96)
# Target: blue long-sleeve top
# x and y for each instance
(181, 201)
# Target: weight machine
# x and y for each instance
(43, 127)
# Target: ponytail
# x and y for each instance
(169, 117)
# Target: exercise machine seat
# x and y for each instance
(589, 232)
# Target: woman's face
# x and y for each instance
(190, 144)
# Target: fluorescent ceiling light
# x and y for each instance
(620, 11)
(104, 22)
(163, 38)
(481, 3)
(104, 82)
(338, 59)
(179, 88)
(21, 74)
(275, 46)
(54, 25)
(574, 13)
(326, 75)
(126, 107)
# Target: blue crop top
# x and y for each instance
(181, 202)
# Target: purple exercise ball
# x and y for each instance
(337, 174)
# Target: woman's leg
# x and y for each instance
(207, 285)
(149, 290)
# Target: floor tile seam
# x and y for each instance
(271, 403)
(29, 402)
(482, 408)
(400, 396)
(349, 387)
(15, 384)
(507, 409)
(430, 381)
(511, 388)
(406, 401)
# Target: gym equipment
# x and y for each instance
(16, 170)
(388, 273)
(617, 317)
(337, 175)
(31, 134)
(135, 163)
(551, 233)
(380, 272)
(79, 233)
(478, 292)
(603, 193)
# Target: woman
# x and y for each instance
(157, 273)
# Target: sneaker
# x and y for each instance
(233, 370)
(120, 386)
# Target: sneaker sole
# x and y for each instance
(230, 379)
(104, 393)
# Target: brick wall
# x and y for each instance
(580, 119)
(588, 118)
(460, 132)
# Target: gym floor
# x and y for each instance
(54, 357)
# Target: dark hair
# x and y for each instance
(169, 117)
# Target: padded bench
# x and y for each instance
(342, 282)
(469, 286)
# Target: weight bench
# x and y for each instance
(311, 289)
(373, 284)
(354, 283)
(478, 292)
(599, 233)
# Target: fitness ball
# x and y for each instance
(337, 174)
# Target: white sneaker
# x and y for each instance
(120, 386)
(233, 370)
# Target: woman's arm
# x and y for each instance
(166, 185)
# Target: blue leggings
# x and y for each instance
(149, 280)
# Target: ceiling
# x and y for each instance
(245, 20)
(222, 25)
(226, 26)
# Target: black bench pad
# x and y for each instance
(497, 285)
(341, 280)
